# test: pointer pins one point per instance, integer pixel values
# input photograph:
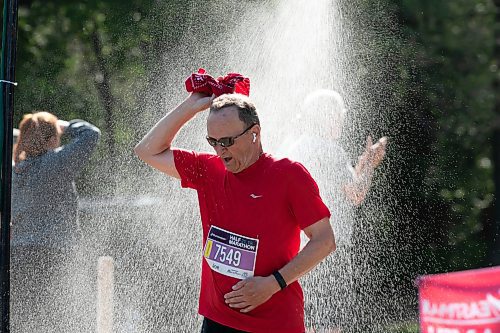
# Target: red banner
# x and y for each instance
(460, 302)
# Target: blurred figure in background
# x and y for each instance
(318, 146)
(45, 228)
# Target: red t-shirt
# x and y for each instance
(272, 200)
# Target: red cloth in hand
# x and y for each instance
(231, 83)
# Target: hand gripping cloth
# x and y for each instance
(206, 84)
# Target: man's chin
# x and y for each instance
(231, 168)
(228, 166)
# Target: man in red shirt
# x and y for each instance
(252, 208)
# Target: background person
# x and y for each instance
(344, 187)
(45, 228)
(249, 197)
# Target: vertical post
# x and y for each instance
(105, 289)
(9, 40)
(495, 241)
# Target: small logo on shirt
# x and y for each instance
(255, 196)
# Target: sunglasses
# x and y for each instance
(227, 141)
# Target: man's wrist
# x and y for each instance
(279, 278)
(273, 283)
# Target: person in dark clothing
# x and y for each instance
(45, 229)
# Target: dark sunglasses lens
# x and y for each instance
(226, 142)
(223, 142)
(212, 141)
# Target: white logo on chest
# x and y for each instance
(255, 196)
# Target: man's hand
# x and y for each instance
(371, 157)
(252, 292)
(373, 154)
(199, 102)
(378, 151)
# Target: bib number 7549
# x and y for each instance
(230, 254)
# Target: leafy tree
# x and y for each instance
(88, 60)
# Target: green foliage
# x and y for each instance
(410, 327)
(87, 60)
(449, 54)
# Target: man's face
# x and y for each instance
(226, 123)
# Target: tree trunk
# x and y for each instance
(104, 91)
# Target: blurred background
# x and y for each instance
(429, 69)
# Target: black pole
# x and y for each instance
(494, 251)
(9, 39)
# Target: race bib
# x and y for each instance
(230, 254)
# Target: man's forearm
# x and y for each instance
(154, 148)
(310, 256)
(160, 137)
(358, 188)
(249, 293)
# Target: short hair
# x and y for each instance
(247, 112)
(35, 132)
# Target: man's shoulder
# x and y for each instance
(187, 159)
(184, 153)
(274, 160)
(286, 164)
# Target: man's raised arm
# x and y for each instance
(155, 147)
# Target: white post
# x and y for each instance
(105, 285)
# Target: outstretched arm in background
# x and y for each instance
(363, 172)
